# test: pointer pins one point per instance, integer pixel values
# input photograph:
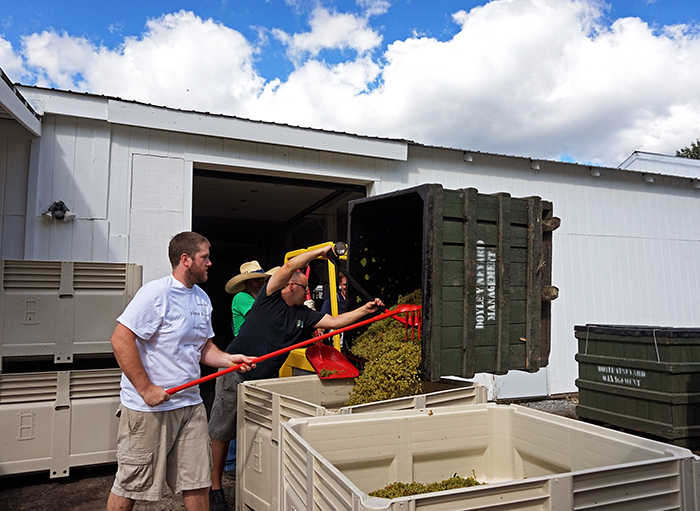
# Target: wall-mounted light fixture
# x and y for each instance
(534, 165)
(468, 157)
(594, 172)
(695, 183)
(648, 178)
(58, 211)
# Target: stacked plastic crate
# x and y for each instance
(59, 385)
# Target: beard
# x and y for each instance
(197, 275)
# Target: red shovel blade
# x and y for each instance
(329, 363)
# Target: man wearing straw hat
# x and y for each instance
(278, 319)
(245, 287)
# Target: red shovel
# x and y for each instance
(330, 363)
(328, 369)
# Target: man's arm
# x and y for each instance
(127, 355)
(348, 318)
(282, 276)
(214, 357)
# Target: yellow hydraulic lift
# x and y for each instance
(297, 358)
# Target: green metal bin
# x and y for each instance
(641, 378)
(483, 263)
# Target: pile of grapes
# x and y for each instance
(393, 359)
(396, 490)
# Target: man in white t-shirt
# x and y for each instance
(160, 339)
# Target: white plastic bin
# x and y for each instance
(263, 405)
(530, 459)
(62, 309)
(55, 420)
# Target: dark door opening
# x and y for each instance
(252, 217)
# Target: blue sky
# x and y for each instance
(108, 23)
(579, 80)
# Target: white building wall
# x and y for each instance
(15, 151)
(626, 252)
(73, 167)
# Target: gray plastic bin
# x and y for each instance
(62, 310)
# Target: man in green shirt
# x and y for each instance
(245, 288)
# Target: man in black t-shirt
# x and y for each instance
(277, 319)
(275, 324)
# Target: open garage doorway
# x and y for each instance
(253, 217)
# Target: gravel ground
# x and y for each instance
(560, 405)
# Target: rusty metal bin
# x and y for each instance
(641, 378)
(483, 263)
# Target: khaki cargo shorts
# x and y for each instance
(155, 448)
(222, 423)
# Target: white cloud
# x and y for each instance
(115, 28)
(374, 7)
(180, 61)
(58, 58)
(538, 78)
(330, 30)
(12, 63)
(319, 96)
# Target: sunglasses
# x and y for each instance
(305, 288)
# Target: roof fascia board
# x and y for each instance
(672, 165)
(665, 158)
(18, 110)
(133, 114)
(71, 104)
(147, 116)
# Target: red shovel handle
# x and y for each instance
(398, 310)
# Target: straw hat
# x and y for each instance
(249, 270)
